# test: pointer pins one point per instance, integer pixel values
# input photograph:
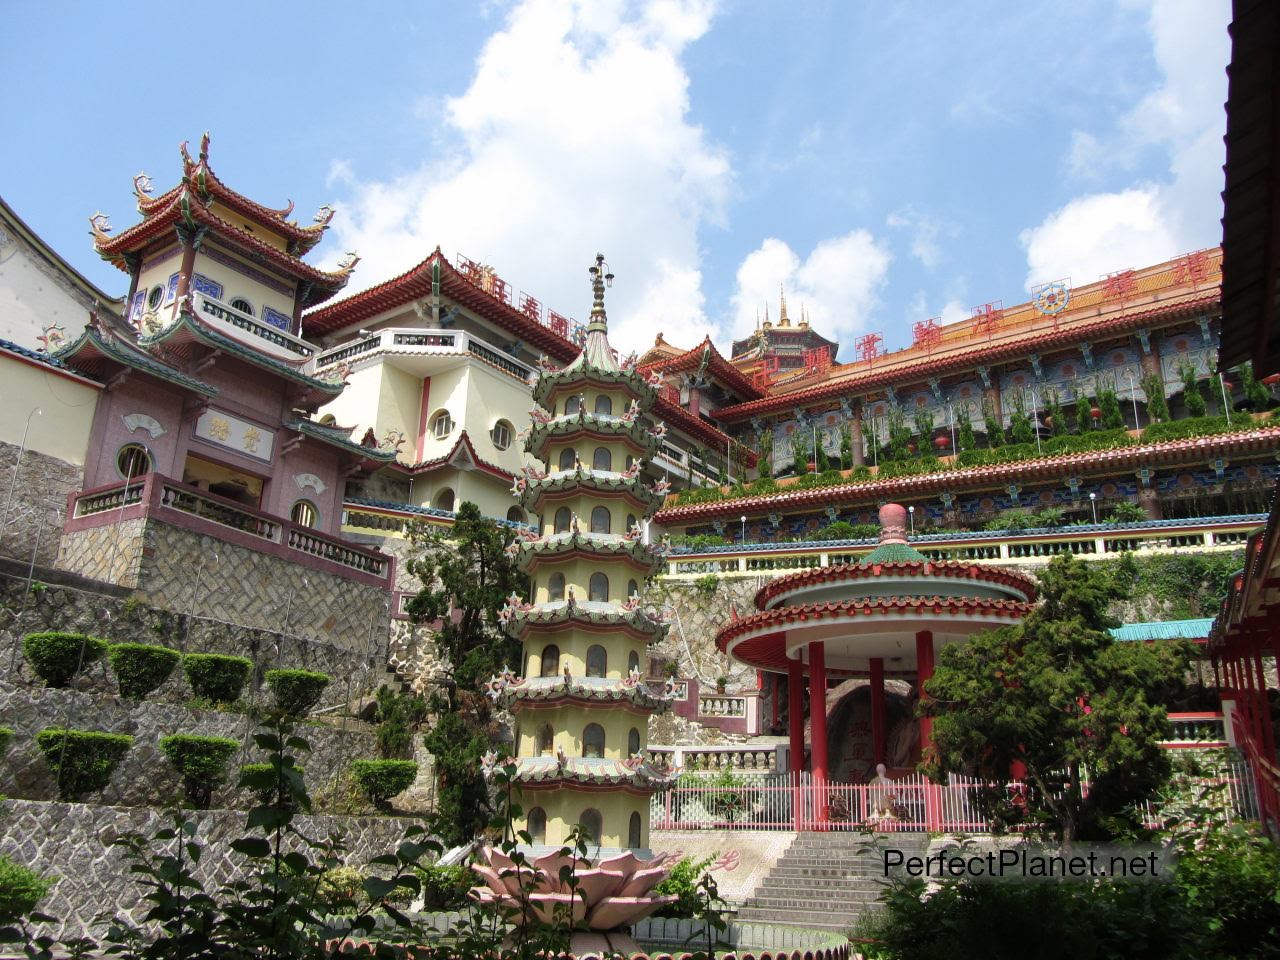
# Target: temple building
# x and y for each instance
(582, 704)
(784, 348)
(204, 444)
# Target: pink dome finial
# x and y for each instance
(893, 523)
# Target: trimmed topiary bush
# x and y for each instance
(21, 891)
(6, 738)
(57, 657)
(202, 761)
(380, 780)
(81, 760)
(216, 677)
(296, 691)
(140, 668)
(261, 779)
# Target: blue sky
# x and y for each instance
(886, 162)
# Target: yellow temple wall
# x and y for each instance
(493, 396)
(568, 724)
(66, 403)
(573, 646)
(564, 810)
(619, 511)
(236, 284)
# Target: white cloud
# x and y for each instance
(1098, 234)
(838, 284)
(926, 231)
(1181, 119)
(572, 137)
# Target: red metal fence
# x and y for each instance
(913, 803)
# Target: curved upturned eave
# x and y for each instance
(579, 374)
(559, 617)
(568, 484)
(592, 426)
(777, 592)
(560, 547)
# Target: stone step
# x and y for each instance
(791, 900)
(835, 885)
(808, 919)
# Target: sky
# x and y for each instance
(881, 163)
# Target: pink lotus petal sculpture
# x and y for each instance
(611, 893)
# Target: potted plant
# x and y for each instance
(721, 683)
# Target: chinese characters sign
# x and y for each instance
(236, 434)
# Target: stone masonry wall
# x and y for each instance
(177, 569)
(50, 607)
(39, 505)
(71, 841)
(144, 776)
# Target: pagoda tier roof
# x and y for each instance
(636, 774)
(760, 640)
(340, 437)
(460, 454)
(1256, 440)
(777, 591)
(580, 374)
(678, 418)
(598, 426)
(917, 363)
(187, 209)
(187, 331)
(199, 176)
(99, 351)
(535, 491)
(704, 358)
(593, 616)
(546, 692)
(602, 546)
(415, 284)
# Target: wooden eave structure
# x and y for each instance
(1251, 198)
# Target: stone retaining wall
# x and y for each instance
(39, 505)
(144, 777)
(48, 607)
(71, 841)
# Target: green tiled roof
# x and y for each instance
(339, 438)
(117, 351)
(1195, 629)
(893, 553)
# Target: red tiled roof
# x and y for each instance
(1172, 452)
(845, 379)
(435, 463)
(768, 651)
(717, 364)
(856, 571)
(678, 418)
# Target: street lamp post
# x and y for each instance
(911, 518)
(743, 518)
(1133, 395)
(1093, 502)
(1226, 404)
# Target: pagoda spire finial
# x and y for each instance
(783, 320)
(601, 276)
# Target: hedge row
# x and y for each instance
(1194, 427)
(140, 668)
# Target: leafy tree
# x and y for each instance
(1084, 414)
(1058, 694)
(822, 461)
(1054, 417)
(994, 428)
(1153, 390)
(846, 447)
(799, 455)
(1020, 428)
(1192, 396)
(463, 804)
(764, 465)
(964, 433)
(899, 435)
(924, 427)
(1109, 404)
(466, 577)
(1255, 391)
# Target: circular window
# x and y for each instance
(442, 425)
(243, 305)
(304, 513)
(133, 460)
(501, 434)
(155, 298)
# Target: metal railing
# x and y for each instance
(416, 341)
(284, 342)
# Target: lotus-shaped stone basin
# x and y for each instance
(611, 893)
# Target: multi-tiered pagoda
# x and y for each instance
(582, 706)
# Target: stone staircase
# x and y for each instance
(825, 881)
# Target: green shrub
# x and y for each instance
(6, 737)
(141, 667)
(57, 657)
(380, 780)
(21, 891)
(909, 468)
(215, 677)
(398, 715)
(202, 761)
(1127, 512)
(296, 691)
(707, 585)
(1193, 427)
(81, 760)
(261, 779)
(445, 888)
(682, 882)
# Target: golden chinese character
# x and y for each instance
(251, 438)
(219, 429)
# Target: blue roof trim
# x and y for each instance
(37, 356)
(1106, 528)
(1196, 629)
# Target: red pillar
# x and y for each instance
(795, 711)
(877, 710)
(924, 671)
(818, 709)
